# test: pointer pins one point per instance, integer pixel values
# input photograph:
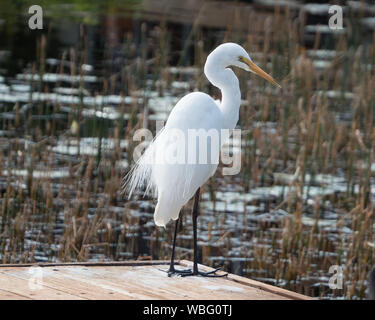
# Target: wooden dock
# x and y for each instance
(127, 280)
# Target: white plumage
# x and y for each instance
(175, 183)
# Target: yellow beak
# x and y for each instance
(253, 67)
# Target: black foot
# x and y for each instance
(209, 274)
(172, 271)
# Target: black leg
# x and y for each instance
(195, 227)
(172, 269)
(195, 271)
(171, 266)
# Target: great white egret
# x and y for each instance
(174, 183)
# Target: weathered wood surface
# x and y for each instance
(213, 14)
(127, 280)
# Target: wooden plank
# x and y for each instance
(130, 280)
(53, 278)
(218, 288)
(90, 263)
(153, 283)
(8, 295)
(20, 286)
(109, 277)
(253, 283)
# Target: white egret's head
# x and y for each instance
(231, 54)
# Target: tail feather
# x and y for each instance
(166, 210)
(149, 175)
(140, 176)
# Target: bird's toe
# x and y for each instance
(179, 272)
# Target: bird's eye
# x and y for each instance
(242, 59)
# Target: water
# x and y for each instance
(70, 100)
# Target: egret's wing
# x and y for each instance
(175, 183)
(196, 111)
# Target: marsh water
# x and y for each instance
(73, 94)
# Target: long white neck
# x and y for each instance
(225, 79)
